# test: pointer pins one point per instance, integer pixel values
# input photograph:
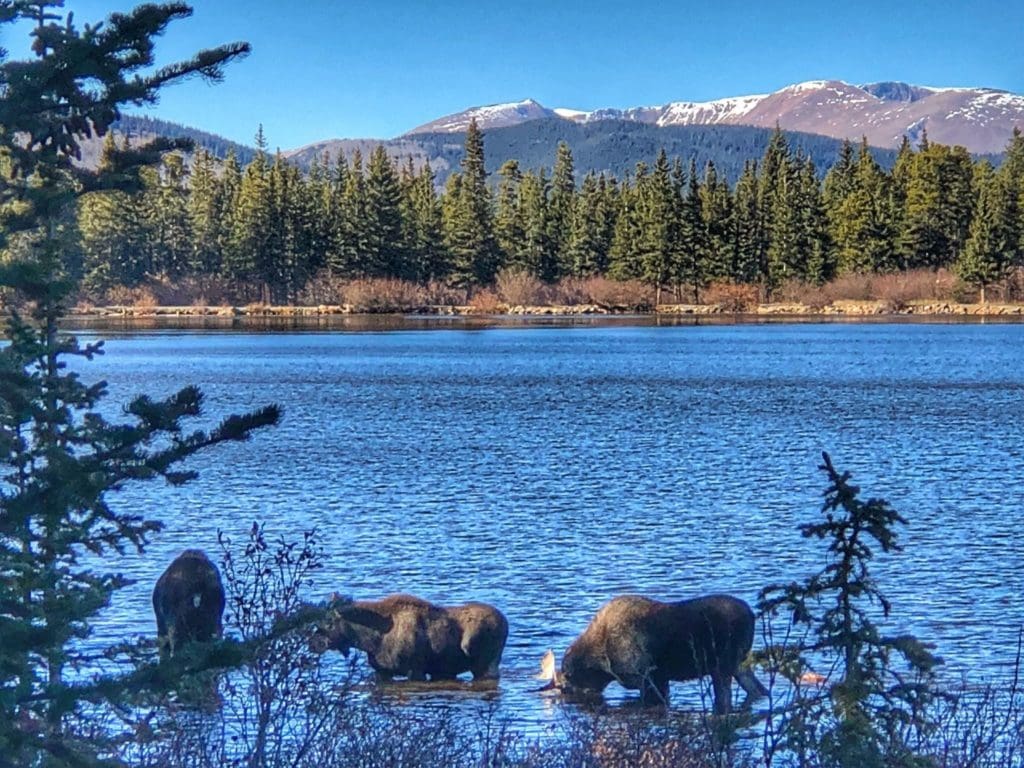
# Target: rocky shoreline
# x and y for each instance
(837, 308)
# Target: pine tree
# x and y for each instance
(166, 205)
(336, 257)
(993, 247)
(113, 232)
(384, 256)
(877, 684)
(588, 243)
(252, 224)
(229, 189)
(428, 258)
(625, 256)
(354, 216)
(900, 178)
(818, 262)
(718, 223)
(291, 257)
(657, 224)
(747, 226)
(509, 224)
(840, 182)
(61, 454)
(691, 263)
(318, 203)
(205, 210)
(775, 168)
(561, 205)
(470, 238)
(784, 255)
(1011, 173)
(938, 208)
(863, 225)
(533, 203)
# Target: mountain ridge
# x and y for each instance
(980, 119)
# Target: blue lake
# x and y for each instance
(547, 469)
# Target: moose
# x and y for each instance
(406, 636)
(188, 601)
(643, 644)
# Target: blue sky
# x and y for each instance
(376, 68)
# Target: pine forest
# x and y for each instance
(266, 229)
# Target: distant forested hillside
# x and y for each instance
(616, 146)
(608, 146)
(218, 146)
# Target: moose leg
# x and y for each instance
(486, 672)
(748, 682)
(654, 690)
(722, 684)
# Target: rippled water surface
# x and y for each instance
(547, 469)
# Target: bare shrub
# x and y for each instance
(378, 295)
(895, 290)
(382, 295)
(440, 294)
(518, 287)
(323, 288)
(802, 292)
(196, 290)
(122, 296)
(899, 289)
(631, 295)
(570, 292)
(144, 297)
(732, 297)
(486, 302)
(852, 287)
(279, 704)
(980, 727)
(1015, 285)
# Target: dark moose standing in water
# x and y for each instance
(188, 601)
(409, 637)
(643, 644)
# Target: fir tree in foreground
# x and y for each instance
(61, 456)
(876, 702)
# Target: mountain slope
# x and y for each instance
(611, 146)
(140, 129)
(980, 119)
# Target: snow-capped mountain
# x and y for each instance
(981, 119)
(491, 116)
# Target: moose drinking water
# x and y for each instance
(405, 636)
(643, 644)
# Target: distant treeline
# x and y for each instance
(674, 225)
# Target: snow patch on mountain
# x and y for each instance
(491, 115)
(709, 112)
(813, 85)
(571, 114)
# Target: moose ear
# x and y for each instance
(547, 667)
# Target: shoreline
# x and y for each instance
(838, 309)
